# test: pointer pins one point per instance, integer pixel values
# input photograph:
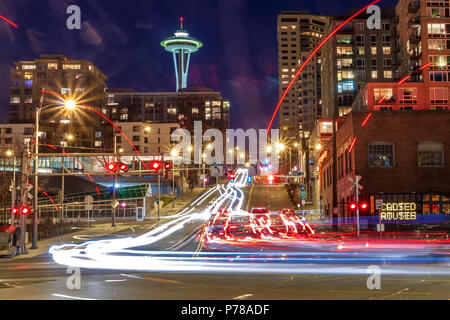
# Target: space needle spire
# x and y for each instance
(181, 45)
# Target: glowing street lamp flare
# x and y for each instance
(70, 104)
(294, 79)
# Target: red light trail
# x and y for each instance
(291, 83)
(367, 119)
(352, 145)
(9, 21)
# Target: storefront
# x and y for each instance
(410, 209)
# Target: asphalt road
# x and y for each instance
(40, 278)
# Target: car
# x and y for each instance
(259, 210)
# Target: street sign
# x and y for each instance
(302, 188)
(300, 173)
(115, 204)
(88, 203)
(303, 195)
(379, 204)
(30, 196)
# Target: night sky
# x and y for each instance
(122, 38)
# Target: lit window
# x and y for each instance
(28, 100)
(28, 75)
(386, 50)
(373, 50)
(15, 99)
(381, 155)
(374, 74)
(52, 66)
(28, 83)
(388, 74)
(430, 154)
(71, 66)
(195, 111)
(28, 67)
(98, 143)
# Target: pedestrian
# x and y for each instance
(11, 243)
(16, 238)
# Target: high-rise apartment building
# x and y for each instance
(298, 34)
(74, 79)
(424, 36)
(355, 56)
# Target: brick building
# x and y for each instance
(403, 158)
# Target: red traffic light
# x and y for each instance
(123, 167)
(167, 166)
(155, 165)
(364, 206)
(352, 206)
(111, 167)
(14, 211)
(25, 210)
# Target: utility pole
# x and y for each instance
(357, 201)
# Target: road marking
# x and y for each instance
(70, 297)
(243, 297)
(163, 280)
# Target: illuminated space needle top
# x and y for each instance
(181, 45)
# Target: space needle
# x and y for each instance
(181, 45)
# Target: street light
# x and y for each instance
(10, 153)
(68, 104)
(173, 153)
(318, 147)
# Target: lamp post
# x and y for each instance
(10, 153)
(69, 137)
(68, 104)
(173, 153)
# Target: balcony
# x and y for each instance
(414, 7)
(415, 55)
(414, 38)
(414, 22)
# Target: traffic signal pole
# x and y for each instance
(357, 201)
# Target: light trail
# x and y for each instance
(9, 21)
(304, 255)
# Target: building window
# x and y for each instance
(28, 67)
(431, 154)
(388, 74)
(98, 143)
(71, 67)
(28, 83)
(15, 100)
(435, 204)
(408, 96)
(439, 95)
(381, 155)
(195, 111)
(65, 90)
(52, 66)
(136, 128)
(386, 50)
(373, 50)
(136, 138)
(360, 51)
(98, 135)
(439, 76)
(436, 29)
(374, 74)
(28, 75)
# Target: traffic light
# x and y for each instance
(25, 210)
(352, 206)
(270, 179)
(249, 179)
(111, 167)
(155, 165)
(167, 166)
(364, 206)
(123, 167)
(14, 211)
